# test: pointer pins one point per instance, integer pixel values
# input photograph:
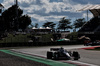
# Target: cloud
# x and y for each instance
(51, 10)
(7, 4)
(89, 15)
(87, 1)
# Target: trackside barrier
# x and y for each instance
(20, 44)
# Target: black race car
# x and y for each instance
(61, 53)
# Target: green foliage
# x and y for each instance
(49, 24)
(79, 23)
(46, 38)
(73, 36)
(17, 38)
(24, 38)
(24, 22)
(11, 22)
(64, 24)
(36, 25)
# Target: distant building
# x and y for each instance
(39, 30)
(42, 30)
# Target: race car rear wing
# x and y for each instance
(54, 49)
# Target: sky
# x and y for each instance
(42, 11)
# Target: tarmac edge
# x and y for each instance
(38, 59)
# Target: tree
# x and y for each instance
(24, 22)
(10, 19)
(64, 24)
(36, 25)
(49, 24)
(31, 26)
(79, 23)
(2, 24)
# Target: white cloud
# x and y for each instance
(55, 6)
(47, 18)
(38, 17)
(89, 15)
(26, 1)
(65, 5)
(7, 3)
(37, 8)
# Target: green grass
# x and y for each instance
(16, 38)
(74, 35)
(46, 38)
(24, 38)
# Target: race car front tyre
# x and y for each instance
(49, 55)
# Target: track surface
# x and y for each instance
(10, 60)
(34, 58)
(87, 56)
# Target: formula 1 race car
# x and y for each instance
(61, 53)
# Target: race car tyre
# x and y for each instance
(76, 55)
(49, 55)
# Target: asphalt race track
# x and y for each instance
(88, 57)
(11, 60)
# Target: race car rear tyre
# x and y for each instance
(76, 55)
(49, 55)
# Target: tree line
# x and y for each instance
(12, 21)
(64, 24)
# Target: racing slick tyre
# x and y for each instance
(76, 55)
(49, 55)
